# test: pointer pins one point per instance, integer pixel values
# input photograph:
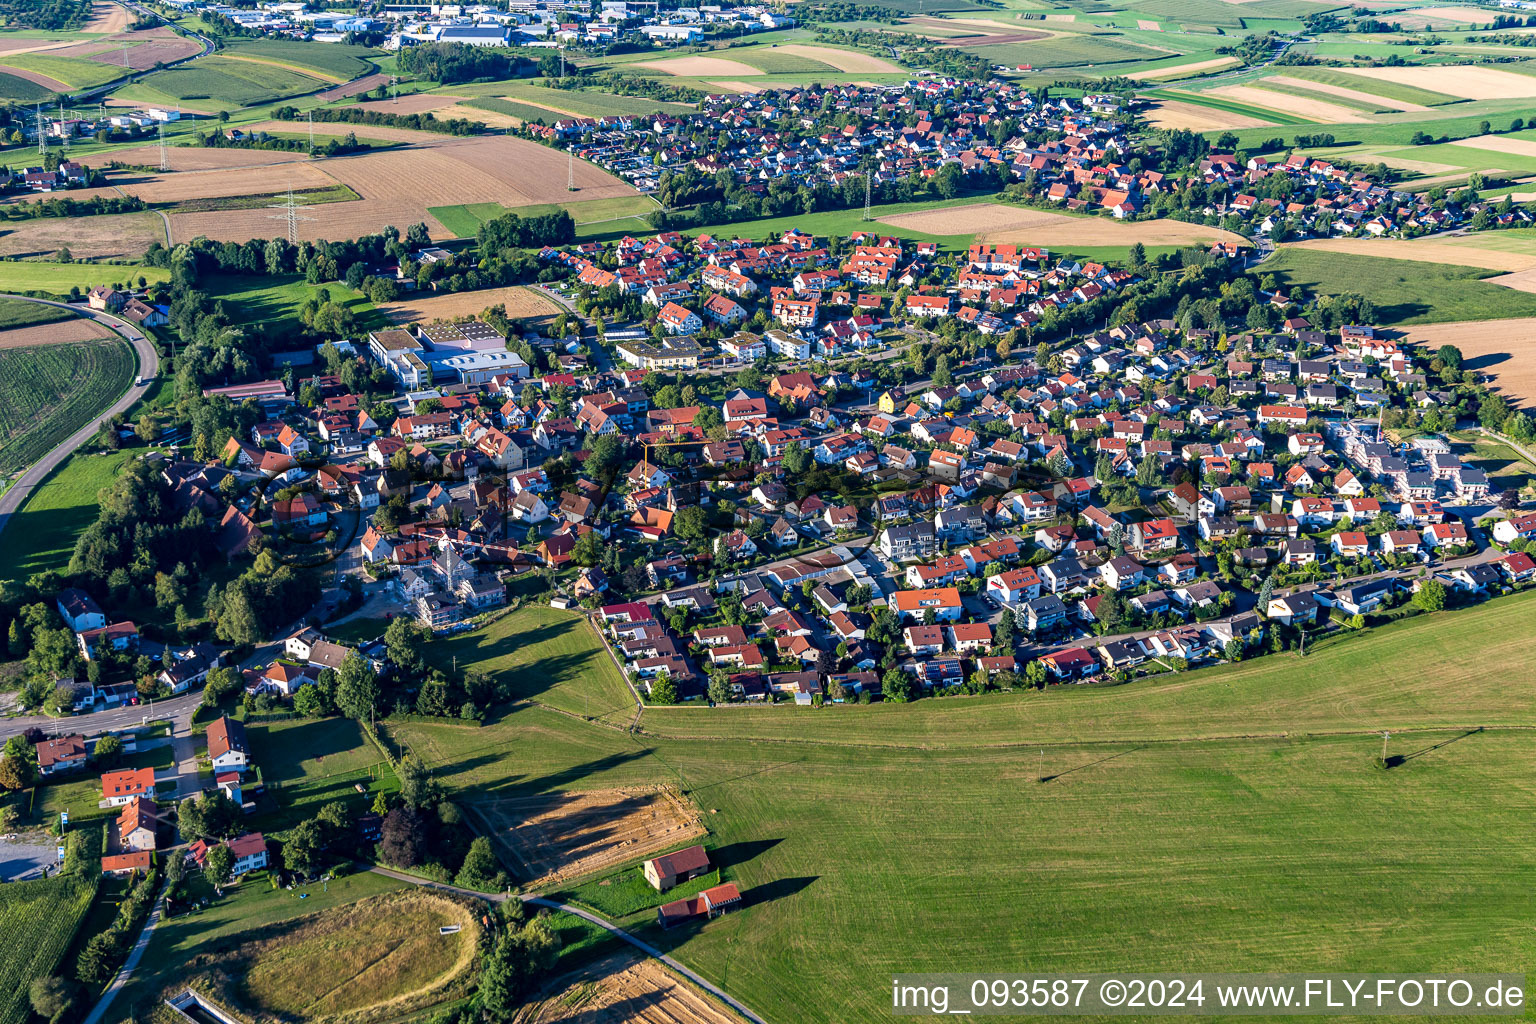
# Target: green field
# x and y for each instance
(1228, 819)
(59, 278)
(1374, 86)
(1075, 52)
(75, 72)
(1234, 107)
(464, 219)
(263, 299)
(1404, 292)
(333, 60)
(1282, 90)
(309, 762)
(19, 89)
(41, 534)
(544, 655)
(235, 83)
(16, 313)
(250, 905)
(38, 920)
(1467, 158)
(50, 391)
(766, 58)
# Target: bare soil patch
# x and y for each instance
(338, 130)
(1184, 69)
(520, 302)
(112, 236)
(1147, 26)
(730, 86)
(1499, 144)
(61, 332)
(1424, 17)
(702, 67)
(24, 44)
(1195, 118)
(52, 84)
(623, 989)
(1343, 93)
(420, 103)
(993, 222)
(1469, 82)
(1423, 250)
(146, 55)
(352, 88)
(843, 60)
(557, 836)
(1317, 110)
(107, 17)
(1504, 349)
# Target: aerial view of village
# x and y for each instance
(597, 511)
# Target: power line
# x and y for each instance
(165, 159)
(867, 180)
(42, 133)
(291, 215)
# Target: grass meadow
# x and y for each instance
(306, 763)
(266, 299)
(1404, 292)
(330, 60)
(41, 534)
(230, 82)
(1229, 819)
(58, 278)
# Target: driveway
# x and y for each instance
(149, 366)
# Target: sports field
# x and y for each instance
(1217, 820)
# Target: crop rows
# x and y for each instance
(49, 392)
(39, 920)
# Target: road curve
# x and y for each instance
(586, 915)
(149, 366)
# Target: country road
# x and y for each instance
(149, 366)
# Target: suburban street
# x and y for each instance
(149, 367)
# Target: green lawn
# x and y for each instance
(263, 299)
(544, 655)
(1403, 291)
(79, 794)
(464, 219)
(250, 905)
(58, 278)
(1230, 819)
(41, 534)
(308, 762)
(627, 892)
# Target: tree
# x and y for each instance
(109, 750)
(1430, 596)
(219, 865)
(1266, 591)
(403, 838)
(896, 686)
(212, 815)
(357, 688)
(719, 688)
(305, 847)
(98, 960)
(15, 773)
(310, 702)
(51, 996)
(519, 959)
(480, 869)
(418, 789)
(663, 690)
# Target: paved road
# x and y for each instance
(176, 709)
(134, 956)
(539, 901)
(149, 366)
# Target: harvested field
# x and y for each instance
(352, 88)
(1503, 349)
(1423, 250)
(340, 130)
(146, 55)
(112, 236)
(106, 17)
(1300, 106)
(1147, 26)
(705, 67)
(553, 837)
(420, 103)
(399, 186)
(843, 60)
(729, 86)
(192, 158)
(51, 84)
(622, 989)
(1343, 93)
(1424, 17)
(1195, 118)
(61, 332)
(1061, 17)
(1184, 69)
(996, 223)
(1469, 82)
(1520, 281)
(233, 181)
(1499, 144)
(520, 302)
(25, 44)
